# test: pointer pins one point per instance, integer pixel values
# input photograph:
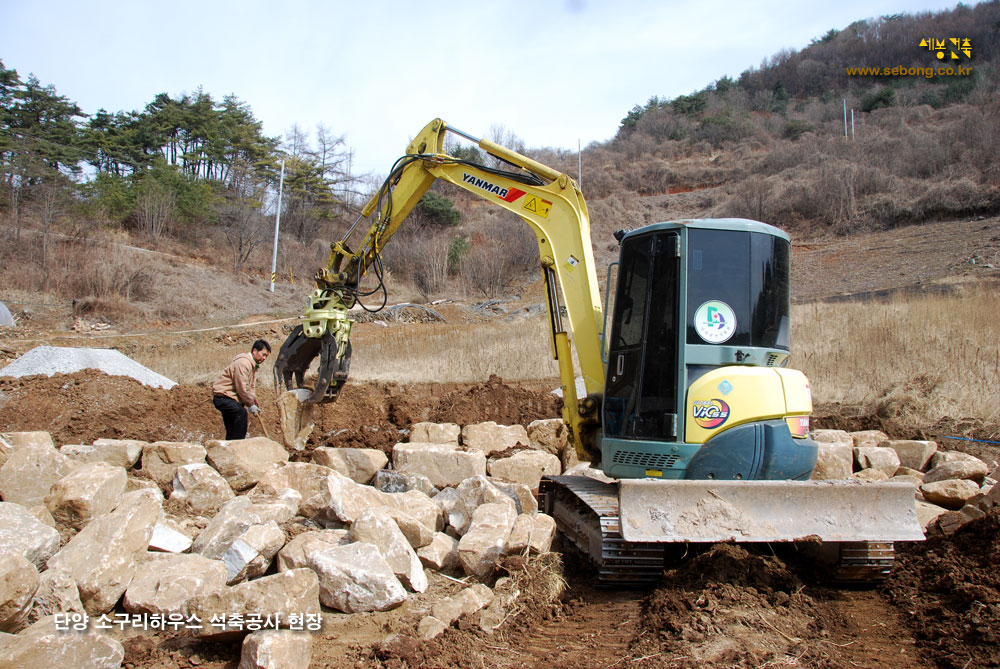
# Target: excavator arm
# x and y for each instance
(547, 200)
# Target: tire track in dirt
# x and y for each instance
(595, 629)
(871, 632)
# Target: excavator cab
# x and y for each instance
(699, 336)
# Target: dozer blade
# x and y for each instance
(751, 511)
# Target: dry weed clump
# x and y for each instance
(923, 358)
(452, 353)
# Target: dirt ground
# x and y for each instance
(722, 606)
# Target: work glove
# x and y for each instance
(255, 410)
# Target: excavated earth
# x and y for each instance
(722, 605)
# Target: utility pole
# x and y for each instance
(277, 225)
(579, 165)
(845, 118)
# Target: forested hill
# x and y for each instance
(195, 175)
(965, 40)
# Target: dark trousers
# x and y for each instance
(234, 416)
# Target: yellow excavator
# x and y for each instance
(687, 404)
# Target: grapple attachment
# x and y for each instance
(325, 331)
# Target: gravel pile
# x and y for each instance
(51, 360)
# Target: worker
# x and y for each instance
(236, 388)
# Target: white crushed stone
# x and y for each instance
(5, 318)
(51, 360)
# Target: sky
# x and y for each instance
(556, 73)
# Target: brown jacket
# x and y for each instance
(239, 380)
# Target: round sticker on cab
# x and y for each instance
(715, 321)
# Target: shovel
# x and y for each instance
(261, 423)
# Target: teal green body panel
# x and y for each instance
(643, 452)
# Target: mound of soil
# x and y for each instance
(730, 607)
(949, 587)
(81, 407)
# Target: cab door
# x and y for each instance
(640, 400)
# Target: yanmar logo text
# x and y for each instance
(505, 194)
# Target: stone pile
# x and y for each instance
(229, 539)
(951, 487)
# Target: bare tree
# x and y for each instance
(500, 134)
(155, 208)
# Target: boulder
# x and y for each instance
(161, 459)
(377, 527)
(466, 602)
(355, 578)
(243, 462)
(88, 491)
(527, 467)
(284, 596)
(233, 519)
(200, 489)
(276, 649)
(46, 644)
(390, 480)
(441, 553)
(435, 433)
(168, 539)
(950, 494)
(885, 460)
(548, 434)
(524, 499)
(296, 418)
(30, 472)
(443, 464)
(417, 533)
(863, 438)
(307, 478)
(119, 452)
(835, 460)
(972, 469)
(823, 436)
(532, 533)
(57, 593)
(430, 627)
(12, 440)
(102, 557)
(166, 584)
(927, 513)
(250, 554)
(489, 437)
(940, 457)
(22, 533)
(870, 474)
(950, 522)
(486, 540)
(18, 584)
(912, 453)
(295, 554)
(358, 464)
(343, 500)
(461, 504)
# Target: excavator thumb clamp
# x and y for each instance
(326, 332)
